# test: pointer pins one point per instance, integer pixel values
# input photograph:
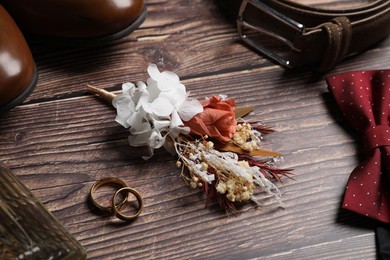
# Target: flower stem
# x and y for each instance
(104, 94)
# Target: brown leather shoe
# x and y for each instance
(102, 20)
(18, 74)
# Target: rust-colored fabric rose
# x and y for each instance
(217, 120)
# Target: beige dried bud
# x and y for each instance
(204, 166)
(245, 196)
(243, 163)
(209, 145)
(231, 197)
(221, 187)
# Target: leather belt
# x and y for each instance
(309, 35)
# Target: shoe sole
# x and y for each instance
(137, 23)
(93, 40)
(26, 92)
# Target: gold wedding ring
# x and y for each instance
(116, 209)
(114, 182)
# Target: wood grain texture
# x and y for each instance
(62, 139)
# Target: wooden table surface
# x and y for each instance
(62, 139)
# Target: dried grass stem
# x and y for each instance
(104, 94)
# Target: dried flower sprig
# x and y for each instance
(217, 151)
(231, 176)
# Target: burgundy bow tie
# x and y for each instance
(364, 99)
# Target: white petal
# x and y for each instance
(185, 130)
(174, 132)
(125, 108)
(175, 119)
(140, 128)
(151, 82)
(141, 85)
(153, 72)
(154, 91)
(137, 93)
(176, 98)
(140, 139)
(162, 107)
(177, 127)
(171, 76)
(180, 87)
(160, 124)
(189, 109)
(164, 85)
(156, 140)
(120, 100)
(138, 123)
(128, 88)
(143, 98)
(121, 119)
(147, 107)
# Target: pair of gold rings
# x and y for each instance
(115, 207)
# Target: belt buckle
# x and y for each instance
(280, 19)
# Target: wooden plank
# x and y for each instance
(62, 139)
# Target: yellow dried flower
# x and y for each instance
(209, 144)
(238, 140)
(230, 185)
(221, 187)
(231, 197)
(243, 163)
(245, 196)
(204, 166)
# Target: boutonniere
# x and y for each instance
(218, 151)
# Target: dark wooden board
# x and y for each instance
(62, 139)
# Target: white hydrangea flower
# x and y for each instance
(124, 105)
(155, 109)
